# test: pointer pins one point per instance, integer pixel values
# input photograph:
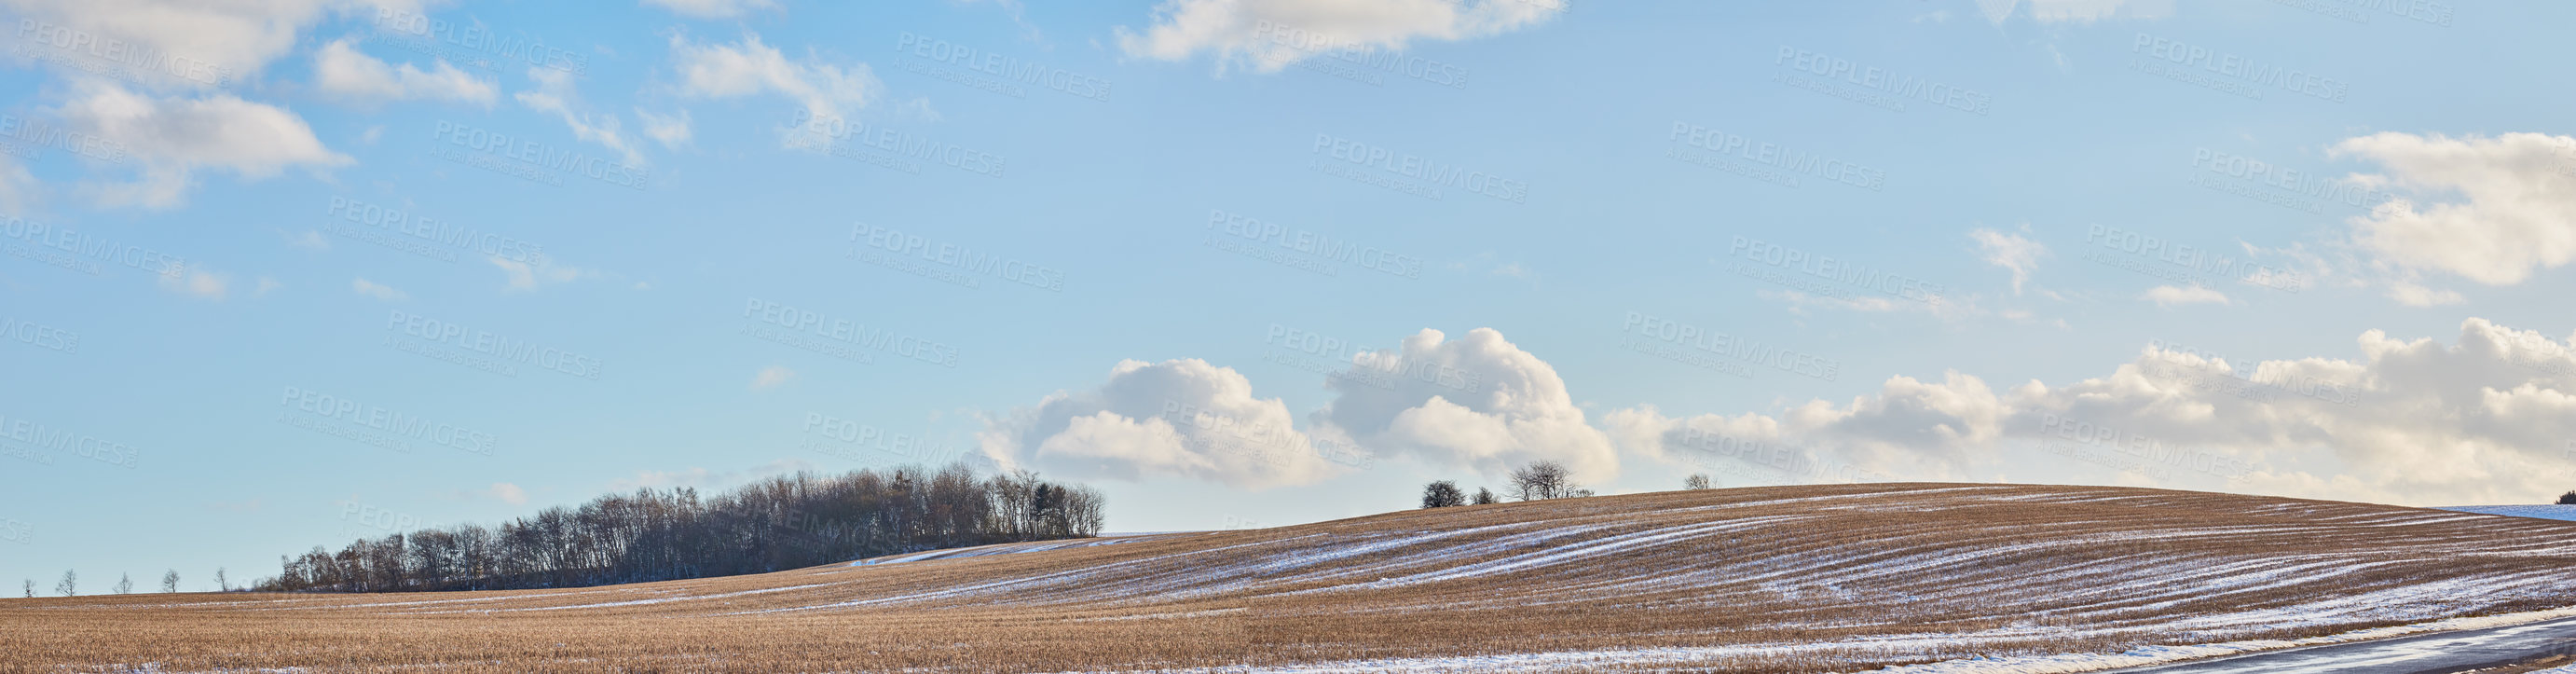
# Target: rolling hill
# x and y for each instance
(1773, 579)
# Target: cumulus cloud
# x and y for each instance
(712, 9)
(2174, 296)
(172, 138)
(2010, 251)
(310, 239)
(748, 67)
(507, 493)
(770, 377)
(2486, 419)
(1177, 418)
(339, 69)
(195, 44)
(2491, 210)
(18, 187)
(1270, 34)
(2413, 294)
(554, 94)
(1478, 402)
(669, 130)
(526, 276)
(378, 290)
(198, 283)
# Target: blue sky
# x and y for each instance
(1188, 252)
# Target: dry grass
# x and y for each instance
(1778, 579)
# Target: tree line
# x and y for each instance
(70, 584)
(779, 523)
(1535, 481)
(1539, 481)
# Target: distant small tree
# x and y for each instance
(70, 583)
(170, 581)
(31, 588)
(220, 583)
(1486, 496)
(1542, 480)
(1695, 481)
(2568, 498)
(125, 583)
(1442, 494)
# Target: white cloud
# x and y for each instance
(2491, 210)
(1945, 307)
(507, 493)
(310, 239)
(712, 9)
(1478, 402)
(2485, 420)
(2174, 296)
(771, 377)
(748, 68)
(196, 282)
(196, 44)
(525, 276)
(1270, 34)
(378, 291)
(1928, 430)
(341, 70)
(18, 187)
(1177, 418)
(2077, 11)
(171, 138)
(2010, 251)
(2410, 293)
(671, 131)
(555, 94)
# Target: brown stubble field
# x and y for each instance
(1775, 579)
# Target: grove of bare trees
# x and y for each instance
(779, 523)
(1541, 480)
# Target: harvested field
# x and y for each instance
(1775, 579)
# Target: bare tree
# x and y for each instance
(31, 588)
(220, 583)
(1695, 481)
(70, 583)
(1542, 480)
(1442, 494)
(1485, 497)
(125, 583)
(170, 581)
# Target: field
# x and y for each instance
(1775, 579)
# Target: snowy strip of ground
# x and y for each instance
(995, 549)
(2044, 664)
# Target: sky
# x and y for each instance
(285, 273)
